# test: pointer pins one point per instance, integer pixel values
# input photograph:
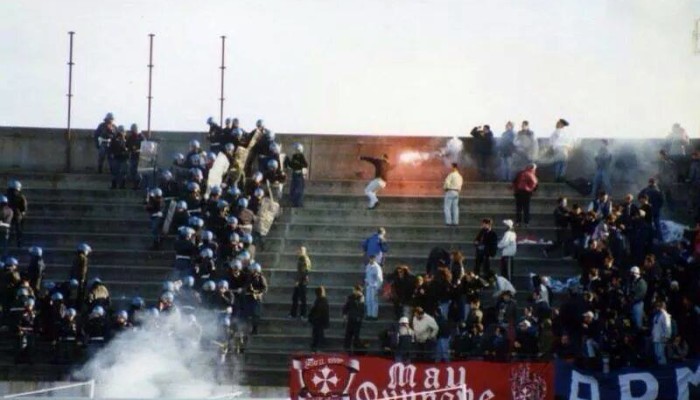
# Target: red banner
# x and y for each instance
(324, 376)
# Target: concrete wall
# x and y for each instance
(331, 156)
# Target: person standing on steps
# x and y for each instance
(508, 246)
(524, 184)
(486, 243)
(353, 314)
(319, 318)
(118, 156)
(506, 148)
(376, 246)
(298, 164)
(452, 186)
(102, 136)
(381, 171)
(300, 284)
(374, 277)
(561, 144)
(18, 203)
(79, 272)
(6, 217)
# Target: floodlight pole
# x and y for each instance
(150, 80)
(223, 68)
(68, 134)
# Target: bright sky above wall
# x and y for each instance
(419, 67)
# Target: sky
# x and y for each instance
(614, 68)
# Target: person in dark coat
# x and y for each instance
(353, 313)
(118, 156)
(656, 200)
(319, 318)
(482, 150)
(35, 272)
(486, 243)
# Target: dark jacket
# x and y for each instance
(133, 144)
(118, 149)
(487, 241)
(381, 167)
(354, 307)
(561, 217)
(656, 198)
(297, 162)
(319, 315)
(18, 204)
(483, 143)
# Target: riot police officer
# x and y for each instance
(119, 155)
(156, 207)
(35, 271)
(79, 272)
(102, 136)
(214, 135)
(257, 287)
(133, 144)
(18, 204)
(6, 217)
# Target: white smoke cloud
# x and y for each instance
(450, 153)
(162, 361)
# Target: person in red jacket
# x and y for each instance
(523, 185)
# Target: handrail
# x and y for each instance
(72, 385)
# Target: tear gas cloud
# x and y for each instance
(163, 360)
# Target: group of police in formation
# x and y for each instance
(217, 229)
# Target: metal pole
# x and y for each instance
(223, 68)
(150, 80)
(68, 134)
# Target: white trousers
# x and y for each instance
(374, 186)
(452, 207)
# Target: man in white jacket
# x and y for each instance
(508, 247)
(661, 332)
(373, 282)
(425, 330)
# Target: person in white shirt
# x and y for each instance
(508, 247)
(561, 143)
(452, 186)
(661, 332)
(374, 277)
(425, 330)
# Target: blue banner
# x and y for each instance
(673, 382)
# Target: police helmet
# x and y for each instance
(234, 238)
(272, 165)
(48, 285)
(84, 248)
(97, 312)
(222, 204)
(156, 192)
(153, 312)
(57, 296)
(247, 238)
(95, 281)
(71, 313)
(22, 292)
(234, 191)
(222, 284)
(196, 173)
(109, 117)
(206, 253)
(120, 129)
(259, 193)
(258, 177)
(209, 286)
(275, 148)
(29, 303)
(237, 265)
(244, 255)
(179, 158)
(3, 199)
(260, 123)
(73, 283)
(183, 232)
(230, 147)
(188, 281)
(138, 303)
(298, 147)
(122, 314)
(193, 187)
(211, 156)
(243, 202)
(194, 144)
(207, 236)
(167, 297)
(238, 132)
(228, 121)
(215, 190)
(167, 175)
(168, 286)
(134, 128)
(195, 222)
(15, 184)
(182, 205)
(11, 262)
(231, 220)
(210, 121)
(36, 251)
(256, 267)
